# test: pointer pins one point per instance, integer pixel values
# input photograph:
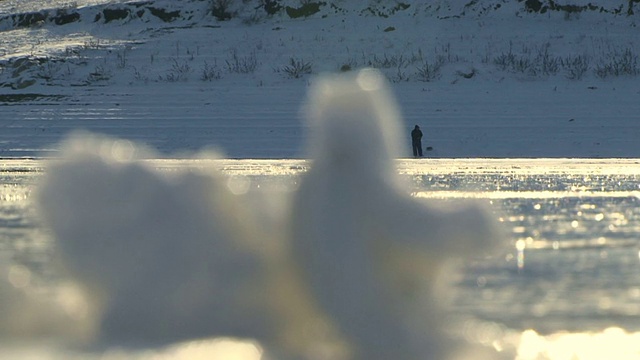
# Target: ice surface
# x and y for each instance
(572, 295)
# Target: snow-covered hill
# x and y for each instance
(410, 40)
(61, 11)
(493, 77)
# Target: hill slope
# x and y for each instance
(493, 77)
(411, 40)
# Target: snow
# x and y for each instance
(370, 252)
(145, 245)
(140, 80)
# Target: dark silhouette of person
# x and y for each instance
(416, 141)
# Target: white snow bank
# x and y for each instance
(370, 252)
(347, 271)
(162, 258)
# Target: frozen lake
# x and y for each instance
(571, 273)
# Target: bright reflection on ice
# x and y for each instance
(218, 349)
(214, 349)
(520, 246)
(612, 343)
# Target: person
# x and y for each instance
(416, 141)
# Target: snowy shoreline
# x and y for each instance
(405, 166)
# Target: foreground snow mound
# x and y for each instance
(163, 258)
(371, 253)
(347, 271)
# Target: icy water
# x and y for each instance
(567, 282)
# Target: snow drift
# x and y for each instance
(371, 253)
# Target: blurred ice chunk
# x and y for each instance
(370, 253)
(163, 258)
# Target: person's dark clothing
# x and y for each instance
(416, 141)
